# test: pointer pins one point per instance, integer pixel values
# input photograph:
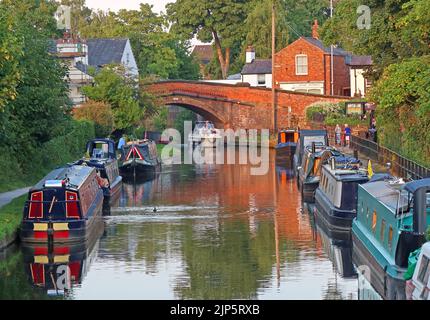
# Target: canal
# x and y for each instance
(195, 232)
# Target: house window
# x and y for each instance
(301, 64)
(261, 78)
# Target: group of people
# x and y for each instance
(344, 140)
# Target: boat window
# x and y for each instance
(374, 220)
(424, 272)
(390, 237)
(382, 232)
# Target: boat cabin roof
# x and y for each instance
(106, 152)
(387, 194)
(76, 176)
(413, 186)
(347, 174)
(426, 249)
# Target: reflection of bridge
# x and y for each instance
(238, 106)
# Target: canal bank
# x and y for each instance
(10, 218)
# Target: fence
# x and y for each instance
(400, 166)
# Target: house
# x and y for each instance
(257, 72)
(359, 83)
(80, 56)
(73, 52)
(306, 65)
(204, 54)
(102, 52)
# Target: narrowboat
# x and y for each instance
(336, 196)
(306, 138)
(420, 283)
(205, 134)
(58, 269)
(139, 158)
(63, 207)
(392, 218)
(286, 147)
(100, 154)
(308, 175)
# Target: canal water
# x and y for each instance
(195, 232)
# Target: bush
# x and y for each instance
(98, 112)
(18, 171)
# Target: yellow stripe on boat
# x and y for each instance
(61, 226)
(61, 259)
(41, 259)
(40, 226)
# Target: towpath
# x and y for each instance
(7, 197)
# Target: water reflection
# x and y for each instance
(211, 232)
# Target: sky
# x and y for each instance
(115, 5)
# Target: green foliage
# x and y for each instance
(403, 113)
(98, 112)
(184, 115)
(332, 114)
(160, 120)
(10, 217)
(112, 85)
(157, 52)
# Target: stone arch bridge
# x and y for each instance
(239, 106)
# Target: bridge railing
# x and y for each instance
(400, 165)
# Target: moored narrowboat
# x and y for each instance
(306, 138)
(63, 207)
(336, 196)
(286, 147)
(100, 154)
(420, 282)
(308, 175)
(139, 158)
(391, 222)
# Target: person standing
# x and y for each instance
(347, 135)
(338, 132)
(121, 142)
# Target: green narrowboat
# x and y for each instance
(391, 222)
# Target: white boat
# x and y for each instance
(421, 278)
(205, 134)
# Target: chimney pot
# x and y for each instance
(250, 54)
(315, 27)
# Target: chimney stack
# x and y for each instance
(250, 54)
(315, 27)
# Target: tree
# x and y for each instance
(80, 14)
(220, 21)
(259, 26)
(403, 112)
(98, 112)
(112, 85)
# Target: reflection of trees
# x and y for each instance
(229, 265)
(14, 282)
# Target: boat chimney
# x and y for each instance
(333, 163)
(314, 148)
(420, 214)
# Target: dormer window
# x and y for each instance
(301, 65)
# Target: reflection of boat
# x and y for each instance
(308, 176)
(337, 245)
(63, 207)
(336, 196)
(57, 269)
(286, 147)
(306, 138)
(101, 155)
(206, 134)
(391, 222)
(283, 174)
(139, 158)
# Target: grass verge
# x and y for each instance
(10, 217)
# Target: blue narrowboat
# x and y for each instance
(63, 207)
(336, 196)
(391, 222)
(306, 138)
(309, 173)
(139, 158)
(286, 147)
(101, 155)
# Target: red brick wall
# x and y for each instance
(238, 107)
(319, 67)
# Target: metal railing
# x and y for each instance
(400, 165)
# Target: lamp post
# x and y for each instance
(275, 111)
